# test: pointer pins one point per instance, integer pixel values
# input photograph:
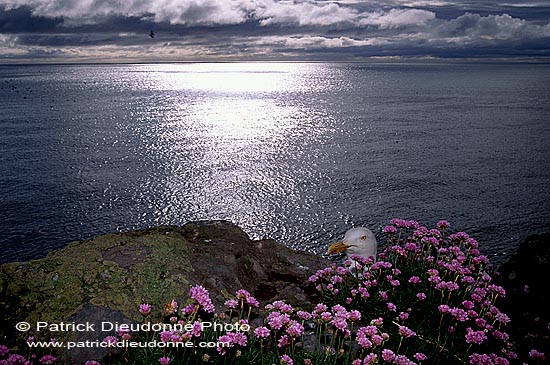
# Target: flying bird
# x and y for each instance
(152, 34)
(357, 241)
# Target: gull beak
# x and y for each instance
(337, 248)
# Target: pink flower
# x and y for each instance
(475, 336)
(370, 359)
(376, 322)
(419, 356)
(340, 323)
(402, 360)
(319, 308)
(388, 355)
(354, 315)
(188, 309)
(110, 341)
(238, 338)
(406, 332)
(389, 229)
(403, 316)
(92, 362)
(144, 309)
(15, 359)
(295, 329)
(480, 359)
(276, 320)
(480, 322)
(165, 336)
(4, 350)
(392, 307)
(502, 318)
(421, 296)
(246, 296)
(284, 341)
(286, 360)
(364, 342)
(304, 315)
(536, 354)
(47, 359)
(231, 303)
(377, 340)
(262, 332)
(201, 295)
(242, 294)
(443, 224)
(197, 329)
(164, 360)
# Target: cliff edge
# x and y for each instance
(105, 279)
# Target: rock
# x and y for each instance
(105, 279)
(527, 284)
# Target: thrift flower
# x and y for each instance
(406, 332)
(231, 303)
(536, 354)
(475, 336)
(111, 341)
(47, 359)
(295, 329)
(144, 309)
(420, 356)
(262, 332)
(286, 360)
(388, 355)
(201, 295)
(443, 224)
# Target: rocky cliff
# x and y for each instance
(106, 279)
(526, 278)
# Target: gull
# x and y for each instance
(357, 241)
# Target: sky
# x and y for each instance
(46, 31)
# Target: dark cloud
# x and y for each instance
(269, 29)
(21, 19)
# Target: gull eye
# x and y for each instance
(363, 237)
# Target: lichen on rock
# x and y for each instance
(105, 279)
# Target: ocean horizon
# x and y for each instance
(294, 151)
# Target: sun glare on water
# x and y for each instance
(237, 101)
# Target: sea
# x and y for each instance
(296, 152)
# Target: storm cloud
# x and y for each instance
(190, 30)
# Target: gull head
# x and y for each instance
(357, 241)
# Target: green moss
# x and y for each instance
(139, 268)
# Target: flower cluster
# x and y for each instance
(420, 273)
(428, 298)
